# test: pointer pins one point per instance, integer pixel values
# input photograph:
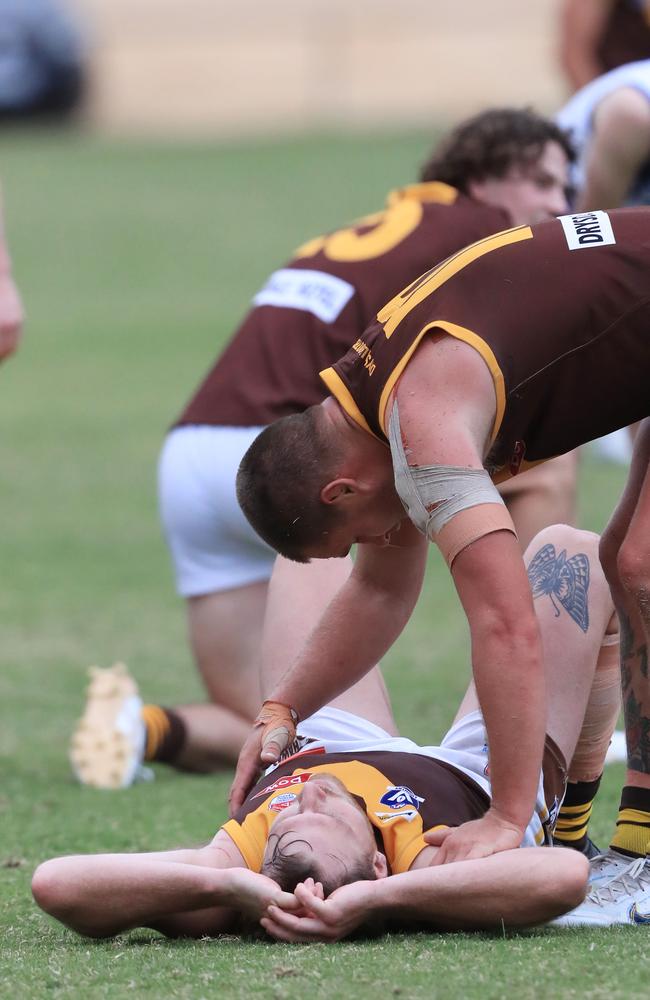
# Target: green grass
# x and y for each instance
(136, 262)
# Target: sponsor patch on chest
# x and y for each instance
(587, 229)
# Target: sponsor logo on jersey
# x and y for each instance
(637, 917)
(399, 796)
(517, 457)
(407, 814)
(289, 781)
(587, 229)
(323, 295)
(365, 353)
(281, 801)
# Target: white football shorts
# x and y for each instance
(212, 545)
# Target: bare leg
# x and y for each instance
(625, 552)
(225, 630)
(542, 496)
(570, 649)
(298, 594)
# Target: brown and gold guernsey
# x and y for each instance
(404, 795)
(626, 36)
(310, 311)
(560, 313)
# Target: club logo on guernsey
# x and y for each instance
(400, 797)
(587, 229)
(403, 803)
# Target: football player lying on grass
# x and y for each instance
(342, 834)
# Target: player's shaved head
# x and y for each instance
(279, 482)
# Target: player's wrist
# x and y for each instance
(272, 708)
(511, 818)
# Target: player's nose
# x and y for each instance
(311, 797)
(558, 204)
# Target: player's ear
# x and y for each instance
(380, 865)
(337, 490)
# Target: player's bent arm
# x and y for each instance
(491, 581)
(619, 147)
(359, 625)
(11, 309)
(516, 888)
(581, 28)
(489, 576)
(186, 892)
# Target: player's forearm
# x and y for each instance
(358, 627)
(100, 895)
(508, 668)
(509, 678)
(581, 28)
(515, 888)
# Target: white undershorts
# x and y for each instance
(212, 545)
(464, 747)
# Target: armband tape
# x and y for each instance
(279, 722)
(450, 491)
(470, 525)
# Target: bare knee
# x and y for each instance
(564, 536)
(633, 571)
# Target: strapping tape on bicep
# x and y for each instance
(433, 495)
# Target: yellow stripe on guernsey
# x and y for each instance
(340, 391)
(392, 314)
(395, 311)
(469, 337)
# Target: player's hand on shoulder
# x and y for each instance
(479, 838)
(248, 768)
(273, 730)
(320, 919)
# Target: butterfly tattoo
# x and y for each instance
(561, 579)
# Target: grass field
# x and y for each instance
(136, 262)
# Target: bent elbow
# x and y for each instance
(567, 888)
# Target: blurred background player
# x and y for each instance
(11, 309)
(501, 168)
(42, 60)
(599, 35)
(609, 124)
(350, 805)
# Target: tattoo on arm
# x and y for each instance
(564, 580)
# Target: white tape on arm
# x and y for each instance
(434, 494)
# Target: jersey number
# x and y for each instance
(370, 237)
